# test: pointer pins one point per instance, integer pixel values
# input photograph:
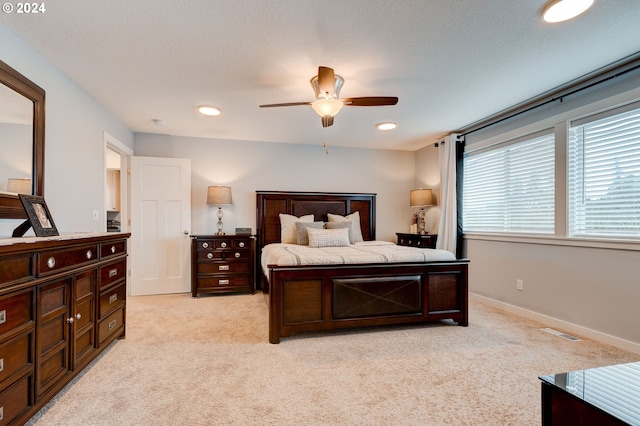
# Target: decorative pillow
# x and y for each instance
(328, 237)
(355, 220)
(302, 238)
(288, 233)
(339, 225)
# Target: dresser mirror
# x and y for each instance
(21, 141)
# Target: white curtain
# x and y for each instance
(448, 229)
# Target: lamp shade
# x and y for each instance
(219, 195)
(420, 197)
(19, 186)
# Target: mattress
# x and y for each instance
(363, 252)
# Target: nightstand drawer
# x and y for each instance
(210, 255)
(226, 267)
(237, 254)
(233, 281)
(417, 240)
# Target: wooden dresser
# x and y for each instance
(222, 264)
(62, 301)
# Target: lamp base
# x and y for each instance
(422, 226)
(219, 224)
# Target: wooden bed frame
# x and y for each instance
(329, 297)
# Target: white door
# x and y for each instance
(160, 225)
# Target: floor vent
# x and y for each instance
(561, 334)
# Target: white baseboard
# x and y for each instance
(565, 326)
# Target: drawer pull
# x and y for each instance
(209, 255)
(112, 324)
(205, 245)
(223, 268)
(78, 316)
(1, 413)
(113, 249)
(51, 262)
(1, 364)
(3, 316)
(241, 244)
(237, 255)
(223, 244)
(113, 298)
(70, 320)
(223, 282)
(89, 254)
(113, 272)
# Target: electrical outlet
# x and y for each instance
(520, 285)
(96, 216)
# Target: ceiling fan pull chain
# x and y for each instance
(326, 150)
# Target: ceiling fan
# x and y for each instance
(327, 87)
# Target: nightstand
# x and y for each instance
(417, 240)
(222, 264)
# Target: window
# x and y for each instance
(511, 188)
(604, 175)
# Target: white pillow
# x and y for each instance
(328, 237)
(302, 238)
(355, 220)
(288, 233)
(344, 224)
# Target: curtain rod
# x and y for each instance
(599, 76)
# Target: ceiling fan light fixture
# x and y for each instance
(327, 107)
(387, 125)
(209, 110)
(563, 10)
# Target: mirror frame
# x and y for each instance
(10, 205)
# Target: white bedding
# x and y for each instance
(363, 252)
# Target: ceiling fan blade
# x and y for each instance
(285, 104)
(327, 121)
(326, 81)
(370, 101)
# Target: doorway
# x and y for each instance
(116, 191)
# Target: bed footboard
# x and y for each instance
(329, 297)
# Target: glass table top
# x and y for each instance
(614, 389)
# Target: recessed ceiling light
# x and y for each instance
(209, 110)
(563, 10)
(386, 126)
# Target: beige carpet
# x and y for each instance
(207, 361)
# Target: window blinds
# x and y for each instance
(604, 176)
(510, 189)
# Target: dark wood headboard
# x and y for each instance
(269, 204)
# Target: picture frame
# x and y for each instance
(39, 217)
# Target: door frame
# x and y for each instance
(125, 199)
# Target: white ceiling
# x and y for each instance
(450, 62)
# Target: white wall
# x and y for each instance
(74, 141)
(249, 166)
